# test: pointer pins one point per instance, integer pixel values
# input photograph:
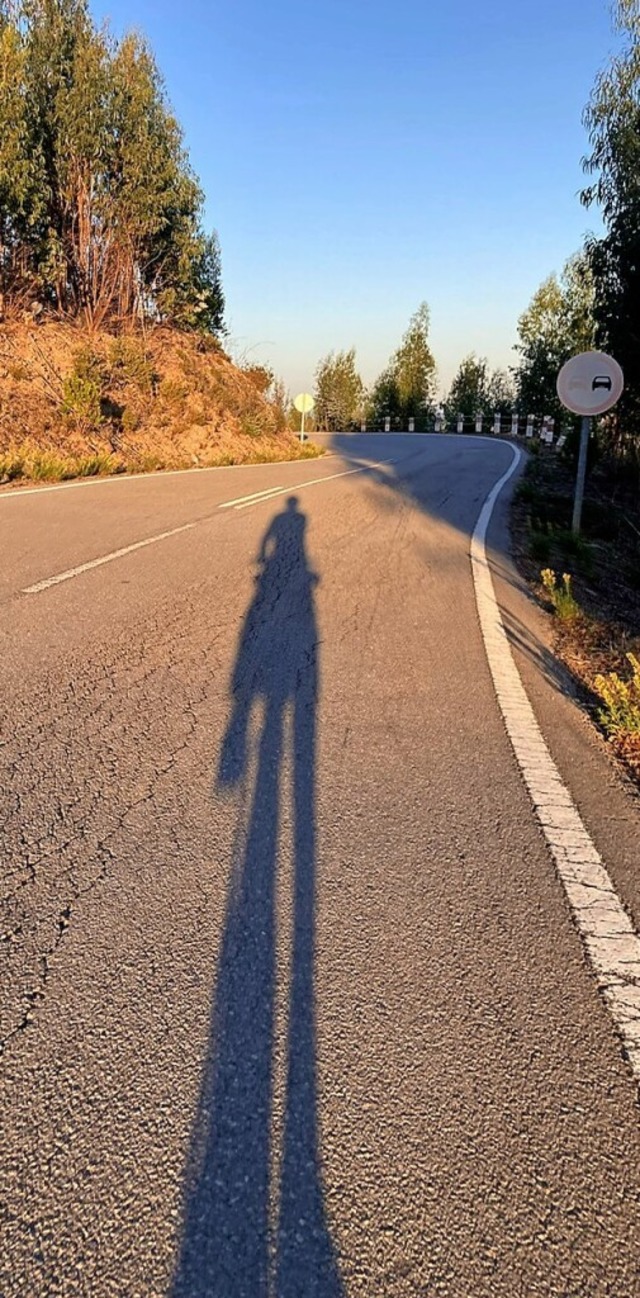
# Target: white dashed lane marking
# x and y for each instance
(244, 502)
(254, 497)
(105, 558)
(241, 502)
(611, 942)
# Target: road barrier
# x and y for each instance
(506, 425)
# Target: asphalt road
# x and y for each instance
(293, 1002)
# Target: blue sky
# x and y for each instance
(359, 157)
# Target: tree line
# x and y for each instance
(100, 211)
(593, 303)
(406, 390)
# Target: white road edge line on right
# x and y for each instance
(610, 940)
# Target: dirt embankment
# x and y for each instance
(73, 404)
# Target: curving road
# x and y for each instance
(293, 1000)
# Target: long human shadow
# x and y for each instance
(244, 1236)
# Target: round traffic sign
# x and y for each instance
(304, 402)
(590, 384)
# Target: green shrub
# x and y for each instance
(129, 364)
(12, 466)
(81, 401)
(46, 466)
(540, 545)
(88, 365)
(528, 491)
(574, 544)
(252, 425)
(90, 465)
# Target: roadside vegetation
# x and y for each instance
(111, 299)
(590, 583)
(405, 390)
(73, 405)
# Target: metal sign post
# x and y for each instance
(588, 385)
(304, 403)
(585, 433)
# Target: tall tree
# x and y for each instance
(557, 324)
(414, 369)
(384, 399)
(100, 213)
(477, 390)
(468, 394)
(613, 121)
(339, 391)
(406, 388)
(23, 182)
(501, 392)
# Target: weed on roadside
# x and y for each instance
(528, 491)
(620, 715)
(575, 545)
(560, 595)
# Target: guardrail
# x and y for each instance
(527, 427)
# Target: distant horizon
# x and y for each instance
(358, 162)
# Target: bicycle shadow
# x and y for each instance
(243, 1236)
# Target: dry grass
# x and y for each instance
(73, 405)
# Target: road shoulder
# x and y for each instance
(605, 797)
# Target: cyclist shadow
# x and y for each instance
(245, 1236)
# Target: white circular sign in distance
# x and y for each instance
(590, 384)
(304, 403)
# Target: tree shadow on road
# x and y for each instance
(244, 1236)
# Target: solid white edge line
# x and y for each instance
(158, 474)
(611, 943)
(97, 563)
